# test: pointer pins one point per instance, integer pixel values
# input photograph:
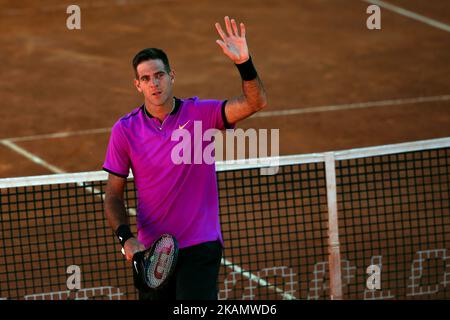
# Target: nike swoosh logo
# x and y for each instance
(184, 125)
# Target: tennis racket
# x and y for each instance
(153, 267)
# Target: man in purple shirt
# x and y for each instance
(176, 198)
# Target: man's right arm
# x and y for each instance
(116, 213)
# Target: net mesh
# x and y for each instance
(46, 229)
(393, 213)
(275, 231)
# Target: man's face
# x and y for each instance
(154, 82)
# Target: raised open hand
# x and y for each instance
(233, 44)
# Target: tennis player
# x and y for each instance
(179, 199)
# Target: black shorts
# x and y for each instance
(195, 275)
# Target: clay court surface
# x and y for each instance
(310, 54)
(332, 85)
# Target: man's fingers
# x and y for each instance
(228, 26)
(242, 30)
(231, 27)
(222, 45)
(129, 256)
(220, 31)
(235, 29)
(225, 48)
(131, 247)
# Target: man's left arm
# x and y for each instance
(253, 99)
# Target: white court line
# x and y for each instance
(59, 135)
(31, 156)
(262, 114)
(132, 211)
(251, 276)
(358, 105)
(410, 14)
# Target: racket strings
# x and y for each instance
(160, 261)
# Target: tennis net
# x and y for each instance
(308, 232)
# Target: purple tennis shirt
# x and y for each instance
(180, 199)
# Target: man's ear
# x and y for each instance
(172, 76)
(137, 85)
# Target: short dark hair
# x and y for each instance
(150, 54)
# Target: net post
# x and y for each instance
(334, 258)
